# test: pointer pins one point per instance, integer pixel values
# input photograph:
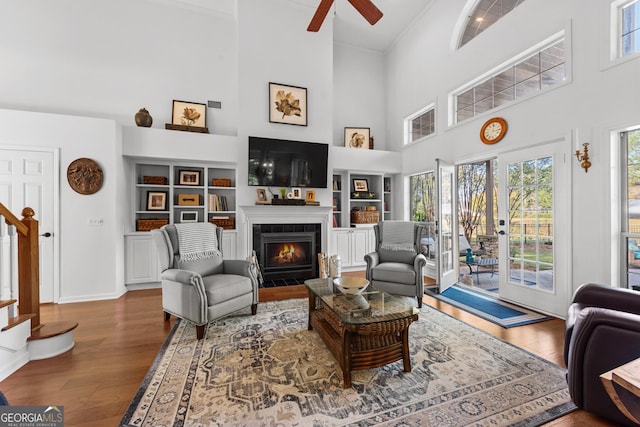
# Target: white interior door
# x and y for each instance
(534, 229)
(447, 225)
(27, 180)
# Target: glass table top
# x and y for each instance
(370, 306)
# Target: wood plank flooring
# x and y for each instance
(117, 340)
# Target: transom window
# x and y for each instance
(629, 28)
(519, 79)
(485, 14)
(420, 125)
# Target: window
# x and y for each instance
(630, 149)
(520, 79)
(485, 14)
(422, 197)
(420, 125)
(628, 27)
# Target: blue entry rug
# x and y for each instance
(489, 308)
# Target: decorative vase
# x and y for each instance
(143, 118)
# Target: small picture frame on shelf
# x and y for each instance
(261, 194)
(189, 216)
(297, 193)
(156, 200)
(357, 138)
(360, 185)
(191, 114)
(287, 104)
(187, 177)
(310, 196)
(387, 185)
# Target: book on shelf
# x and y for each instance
(335, 221)
(217, 203)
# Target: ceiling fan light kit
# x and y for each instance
(366, 8)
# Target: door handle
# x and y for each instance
(47, 234)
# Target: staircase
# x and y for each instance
(22, 336)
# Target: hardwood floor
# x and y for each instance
(117, 340)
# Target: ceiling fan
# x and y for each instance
(366, 8)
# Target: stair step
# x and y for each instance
(15, 321)
(52, 329)
(7, 302)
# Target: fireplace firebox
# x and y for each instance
(287, 252)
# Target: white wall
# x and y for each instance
(359, 99)
(91, 258)
(109, 59)
(423, 68)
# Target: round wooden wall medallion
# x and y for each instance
(84, 176)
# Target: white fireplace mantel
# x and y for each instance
(285, 214)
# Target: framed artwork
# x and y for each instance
(188, 216)
(310, 196)
(357, 138)
(189, 114)
(360, 185)
(156, 200)
(189, 178)
(297, 193)
(287, 104)
(262, 194)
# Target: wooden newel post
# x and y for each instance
(29, 269)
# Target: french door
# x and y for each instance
(446, 226)
(534, 227)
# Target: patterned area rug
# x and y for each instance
(270, 370)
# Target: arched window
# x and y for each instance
(485, 14)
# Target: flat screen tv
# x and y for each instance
(285, 163)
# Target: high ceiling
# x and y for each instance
(349, 26)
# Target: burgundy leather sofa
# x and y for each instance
(602, 332)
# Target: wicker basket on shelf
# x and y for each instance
(158, 180)
(221, 182)
(365, 217)
(226, 223)
(150, 224)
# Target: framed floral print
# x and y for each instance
(287, 104)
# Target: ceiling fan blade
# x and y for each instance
(367, 9)
(318, 17)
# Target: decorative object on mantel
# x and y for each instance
(188, 116)
(261, 193)
(287, 104)
(357, 138)
(84, 176)
(371, 143)
(143, 118)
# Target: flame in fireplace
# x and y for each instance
(287, 254)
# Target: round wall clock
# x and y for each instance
(493, 130)
(84, 176)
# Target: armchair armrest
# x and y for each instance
(237, 266)
(372, 259)
(602, 339)
(180, 276)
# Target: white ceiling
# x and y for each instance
(349, 26)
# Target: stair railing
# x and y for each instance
(28, 263)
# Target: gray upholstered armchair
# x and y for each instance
(397, 264)
(197, 284)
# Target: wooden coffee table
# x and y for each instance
(361, 331)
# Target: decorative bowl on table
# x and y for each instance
(351, 285)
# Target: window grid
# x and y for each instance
(629, 31)
(539, 71)
(421, 125)
(485, 14)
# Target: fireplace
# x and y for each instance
(287, 252)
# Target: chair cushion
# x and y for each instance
(223, 287)
(394, 272)
(204, 266)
